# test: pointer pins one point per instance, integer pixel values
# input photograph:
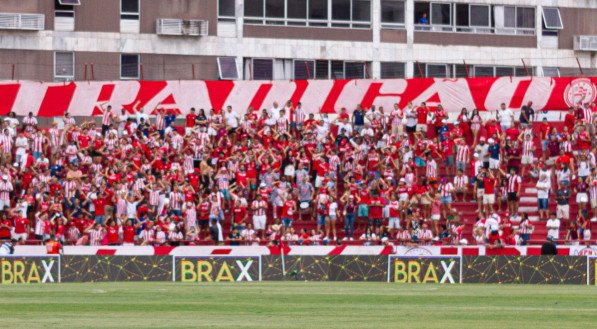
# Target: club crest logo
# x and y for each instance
(580, 90)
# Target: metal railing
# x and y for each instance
(18, 21)
(475, 29)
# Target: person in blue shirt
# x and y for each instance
(169, 118)
(358, 119)
(494, 154)
(443, 130)
(423, 19)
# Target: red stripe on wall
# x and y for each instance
(449, 251)
(9, 96)
(56, 100)
(105, 252)
(387, 250)
(221, 251)
(218, 92)
(260, 95)
(337, 251)
(470, 251)
(519, 93)
(162, 250)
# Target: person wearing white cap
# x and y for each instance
(482, 150)
(494, 154)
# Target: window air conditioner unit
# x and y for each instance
(17, 21)
(168, 26)
(585, 42)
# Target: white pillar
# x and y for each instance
(376, 27)
(409, 20)
(409, 71)
(239, 12)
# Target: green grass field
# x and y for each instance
(296, 305)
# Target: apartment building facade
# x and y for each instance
(58, 40)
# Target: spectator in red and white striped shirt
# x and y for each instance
(460, 185)
(107, 118)
(29, 122)
(96, 234)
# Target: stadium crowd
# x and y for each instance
(390, 175)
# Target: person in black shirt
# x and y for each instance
(549, 247)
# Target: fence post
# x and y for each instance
(141, 69)
(579, 67)
(466, 69)
(308, 71)
(193, 65)
(92, 73)
(86, 72)
(13, 72)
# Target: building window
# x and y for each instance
(227, 68)
(274, 9)
(392, 13)
(64, 66)
(392, 70)
(501, 71)
(318, 10)
(303, 69)
(63, 10)
(322, 69)
(433, 16)
(296, 12)
(437, 71)
(262, 69)
(64, 16)
(355, 70)
(226, 10)
(514, 20)
(552, 21)
(129, 9)
(129, 66)
(344, 13)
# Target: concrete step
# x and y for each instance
(528, 209)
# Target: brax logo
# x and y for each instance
(216, 270)
(424, 271)
(26, 271)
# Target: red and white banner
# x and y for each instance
(325, 96)
(246, 251)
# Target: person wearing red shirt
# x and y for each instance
(5, 228)
(53, 247)
(112, 233)
(570, 119)
(583, 139)
(422, 117)
(21, 227)
(489, 182)
(240, 213)
(190, 121)
(99, 203)
(129, 233)
(288, 211)
(376, 204)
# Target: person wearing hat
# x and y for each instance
(482, 150)
(494, 151)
